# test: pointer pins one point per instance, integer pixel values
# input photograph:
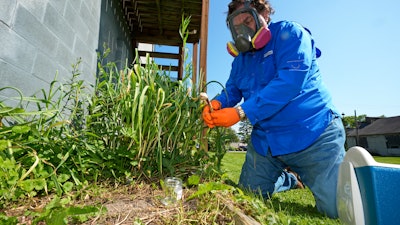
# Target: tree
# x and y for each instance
(245, 129)
(350, 122)
(231, 135)
(223, 135)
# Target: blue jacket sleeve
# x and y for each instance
(231, 95)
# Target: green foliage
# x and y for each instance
(136, 122)
(193, 180)
(231, 135)
(219, 139)
(35, 145)
(58, 212)
(147, 122)
(210, 187)
(8, 220)
(133, 123)
(350, 121)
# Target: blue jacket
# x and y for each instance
(284, 96)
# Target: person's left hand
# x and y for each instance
(225, 117)
(206, 114)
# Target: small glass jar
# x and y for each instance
(172, 190)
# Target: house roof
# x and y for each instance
(389, 125)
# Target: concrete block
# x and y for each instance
(78, 26)
(7, 9)
(87, 18)
(82, 50)
(36, 7)
(64, 73)
(16, 50)
(87, 73)
(94, 64)
(76, 4)
(30, 28)
(95, 8)
(58, 5)
(92, 40)
(64, 56)
(54, 21)
(15, 77)
(45, 68)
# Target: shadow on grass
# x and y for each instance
(296, 206)
(298, 203)
(291, 208)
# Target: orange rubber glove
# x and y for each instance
(225, 117)
(216, 105)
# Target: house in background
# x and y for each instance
(380, 137)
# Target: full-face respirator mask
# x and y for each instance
(244, 36)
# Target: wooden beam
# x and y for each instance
(160, 25)
(203, 44)
(162, 40)
(194, 63)
(137, 14)
(163, 55)
(181, 62)
(169, 68)
(203, 60)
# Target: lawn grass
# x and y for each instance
(233, 161)
(385, 159)
(291, 207)
(296, 206)
(232, 164)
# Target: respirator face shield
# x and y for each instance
(243, 25)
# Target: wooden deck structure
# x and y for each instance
(158, 21)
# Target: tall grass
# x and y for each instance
(146, 120)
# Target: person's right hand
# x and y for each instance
(216, 105)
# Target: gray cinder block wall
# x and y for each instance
(115, 34)
(39, 38)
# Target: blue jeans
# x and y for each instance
(317, 165)
(285, 181)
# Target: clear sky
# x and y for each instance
(360, 44)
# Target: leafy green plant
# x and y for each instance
(37, 139)
(148, 123)
(8, 220)
(58, 212)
